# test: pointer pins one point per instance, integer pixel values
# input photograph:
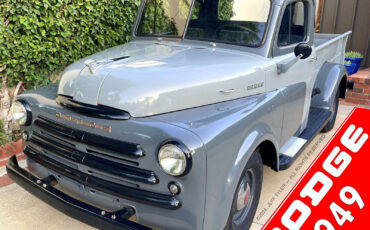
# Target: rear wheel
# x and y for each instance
(247, 195)
(334, 111)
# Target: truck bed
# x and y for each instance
(331, 47)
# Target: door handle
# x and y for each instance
(227, 91)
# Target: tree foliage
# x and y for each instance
(40, 37)
(3, 136)
(225, 10)
(155, 20)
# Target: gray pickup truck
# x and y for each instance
(171, 130)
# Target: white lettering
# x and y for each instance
(309, 191)
(325, 223)
(297, 205)
(349, 140)
(343, 159)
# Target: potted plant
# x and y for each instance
(350, 67)
(355, 58)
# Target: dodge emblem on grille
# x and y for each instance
(82, 122)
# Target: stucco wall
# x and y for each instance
(251, 10)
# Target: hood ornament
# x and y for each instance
(91, 64)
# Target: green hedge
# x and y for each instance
(39, 38)
(3, 137)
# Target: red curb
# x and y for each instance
(11, 148)
(20, 157)
(360, 94)
(5, 180)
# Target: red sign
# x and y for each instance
(334, 193)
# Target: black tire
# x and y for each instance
(253, 174)
(334, 109)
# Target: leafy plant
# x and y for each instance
(347, 62)
(3, 136)
(155, 19)
(353, 54)
(225, 10)
(38, 38)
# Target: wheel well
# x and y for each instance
(268, 154)
(343, 87)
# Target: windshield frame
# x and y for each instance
(183, 37)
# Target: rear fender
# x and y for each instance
(331, 77)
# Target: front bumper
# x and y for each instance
(44, 190)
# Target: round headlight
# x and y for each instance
(21, 113)
(172, 160)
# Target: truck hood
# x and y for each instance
(146, 78)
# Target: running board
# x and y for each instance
(317, 119)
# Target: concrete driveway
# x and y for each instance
(20, 210)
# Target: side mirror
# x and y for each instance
(303, 50)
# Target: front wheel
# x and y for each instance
(247, 195)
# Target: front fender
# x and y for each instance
(329, 79)
(231, 131)
(218, 204)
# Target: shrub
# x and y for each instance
(39, 38)
(353, 54)
(3, 137)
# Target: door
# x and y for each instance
(296, 26)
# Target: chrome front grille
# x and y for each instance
(117, 148)
(112, 165)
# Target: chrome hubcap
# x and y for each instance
(244, 196)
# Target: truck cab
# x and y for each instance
(171, 130)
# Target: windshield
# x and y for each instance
(241, 22)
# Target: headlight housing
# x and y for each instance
(21, 113)
(174, 159)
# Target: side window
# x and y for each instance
(293, 27)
